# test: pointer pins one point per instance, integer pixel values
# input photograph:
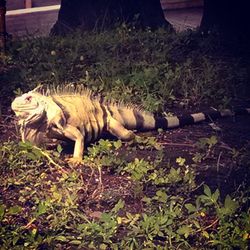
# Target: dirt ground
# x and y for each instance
(218, 170)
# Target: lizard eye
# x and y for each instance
(28, 98)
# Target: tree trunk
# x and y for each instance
(103, 14)
(2, 25)
(229, 17)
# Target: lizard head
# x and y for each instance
(28, 107)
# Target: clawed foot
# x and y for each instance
(75, 161)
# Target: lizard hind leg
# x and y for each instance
(117, 129)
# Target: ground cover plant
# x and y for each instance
(182, 189)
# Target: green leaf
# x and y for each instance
(119, 205)
(197, 224)
(61, 238)
(15, 239)
(215, 195)
(59, 148)
(161, 196)
(14, 210)
(185, 230)
(197, 157)
(103, 246)
(2, 211)
(25, 145)
(75, 242)
(230, 205)
(31, 156)
(205, 234)
(34, 232)
(42, 208)
(181, 161)
(146, 199)
(190, 207)
(57, 196)
(207, 191)
(37, 153)
(106, 217)
(117, 144)
(212, 141)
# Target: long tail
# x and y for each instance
(180, 121)
(132, 118)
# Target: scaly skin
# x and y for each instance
(78, 116)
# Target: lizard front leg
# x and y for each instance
(75, 135)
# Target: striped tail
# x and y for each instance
(180, 121)
(133, 118)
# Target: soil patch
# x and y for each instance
(218, 170)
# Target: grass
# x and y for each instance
(133, 195)
(113, 203)
(152, 68)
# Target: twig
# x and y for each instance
(29, 224)
(177, 144)
(207, 227)
(100, 184)
(50, 159)
(218, 162)
(225, 146)
(90, 177)
(198, 186)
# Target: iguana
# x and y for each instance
(75, 114)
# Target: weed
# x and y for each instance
(127, 195)
(53, 213)
(137, 64)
